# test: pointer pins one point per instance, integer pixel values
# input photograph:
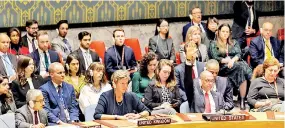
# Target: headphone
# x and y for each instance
(191, 17)
(31, 104)
(67, 66)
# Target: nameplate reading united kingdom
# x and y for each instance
(154, 122)
(227, 118)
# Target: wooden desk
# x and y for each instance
(260, 122)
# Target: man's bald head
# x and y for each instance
(54, 66)
(4, 42)
(266, 30)
(56, 72)
(205, 74)
(207, 80)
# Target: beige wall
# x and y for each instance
(144, 31)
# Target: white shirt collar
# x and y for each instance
(189, 63)
(41, 51)
(56, 85)
(30, 38)
(84, 50)
(1, 53)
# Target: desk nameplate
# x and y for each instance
(154, 122)
(227, 118)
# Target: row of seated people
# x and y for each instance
(161, 96)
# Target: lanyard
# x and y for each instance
(227, 50)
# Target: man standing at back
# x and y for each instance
(86, 56)
(8, 62)
(29, 40)
(61, 44)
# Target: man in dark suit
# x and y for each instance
(32, 115)
(245, 21)
(221, 84)
(29, 40)
(196, 18)
(86, 56)
(196, 66)
(8, 62)
(43, 57)
(119, 56)
(265, 46)
(60, 100)
(205, 99)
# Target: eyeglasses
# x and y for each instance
(273, 70)
(164, 26)
(34, 28)
(41, 101)
(209, 80)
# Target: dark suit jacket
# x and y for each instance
(36, 57)
(82, 67)
(13, 60)
(187, 26)
(198, 105)
(155, 45)
(25, 41)
(241, 17)
(52, 102)
(179, 74)
(24, 117)
(20, 92)
(153, 96)
(257, 53)
(113, 59)
(226, 90)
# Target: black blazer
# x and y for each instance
(25, 41)
(54, 57)
(94, 56)
(241, 17)
(19, 92)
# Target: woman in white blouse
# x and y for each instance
(96, 84)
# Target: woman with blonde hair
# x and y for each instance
(162, 95)
(96, 84)
(227, 52)
(194, 36)
(266, 93)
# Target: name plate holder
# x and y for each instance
(154, 122)
(220, 117)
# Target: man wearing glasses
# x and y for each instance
(29, 40)
(60, 100)
(205, 99)
(32, 115)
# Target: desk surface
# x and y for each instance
(260, 122)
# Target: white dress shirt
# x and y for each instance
(212, 102)
(30, 82)
(200, 25)
(42, 62)
(88, 96)
(30, 45)
(194, 68)
(87, 57)
(32, 111)
(5, 66)
(252, 17)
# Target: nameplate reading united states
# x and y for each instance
(227, 118)
(154, 122)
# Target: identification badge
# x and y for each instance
(66, 114)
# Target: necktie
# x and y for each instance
(249, 17)
(199, 57)
(62, 115)
(8, 64)
(193, 73)
(67, 44)
(87, 55)
(36, 117)
(268, 49)
(33, 44)
(46, 60)
(207, 103)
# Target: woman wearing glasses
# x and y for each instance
(267, 92)
(161, 44)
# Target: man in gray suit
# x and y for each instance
(221, 84)
(8, 62)
(197, 68)
(205, 99)
(32, 115)
(60, 43)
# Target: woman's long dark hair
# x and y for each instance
(5, 98)
(23, 63)
(158, 25)
(144, 63)
(69, 58)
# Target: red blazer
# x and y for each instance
(22, 51)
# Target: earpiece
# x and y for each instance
(191, 17)
(158, 29)
(67, 66)
(31, 104)
(57, 31)
(91, 72)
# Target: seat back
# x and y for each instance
(178, 60)
(89, 112)
(146, 49)
(135, 45)
(184, 107)
(99, 48)
(280, 34)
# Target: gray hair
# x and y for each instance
(120, 74)
(212, 62)
(32, 94)
(53, 66)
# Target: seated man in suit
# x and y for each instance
(265, 46)
(206, 100)
(32, 115)
(86, 56)
(60, 100)
(43, 57)
(119, 56)
(221, 84)
(180, 70)
(29, 40)
(61, 44)
(196, 18)
(8, 62)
